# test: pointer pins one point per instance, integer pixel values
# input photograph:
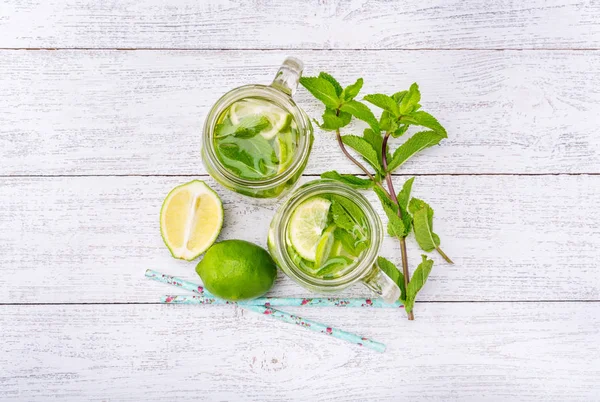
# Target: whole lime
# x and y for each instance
(237, 270)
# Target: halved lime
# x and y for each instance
(279, 118)
(191, 218)
(306, 226)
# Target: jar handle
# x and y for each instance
(382, 285)
(288, 76)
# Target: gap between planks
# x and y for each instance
(418, 302)
(5, 176)
(227, 49)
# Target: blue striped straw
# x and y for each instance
(273, 313)
(281, 301)
(261, 301)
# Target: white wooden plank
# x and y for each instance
(111, 112)
(90, 239)
(465, 351)
(314, 24)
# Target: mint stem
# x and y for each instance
(444, 256)
(390, 184)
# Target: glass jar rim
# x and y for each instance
(274, 95)
(327, 186)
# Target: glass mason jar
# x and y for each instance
(279, 96)
(363, 269)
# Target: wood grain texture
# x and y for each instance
(90, 239)
(118, 112)
(313, 24)
(465, 351)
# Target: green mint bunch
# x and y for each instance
(399, 112)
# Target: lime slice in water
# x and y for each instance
(279, 118)
(306, 226)
(325, 246)
(284, 148)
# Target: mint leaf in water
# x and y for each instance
(355, 247)
(352, 90)
(249, 158)
(415, 144)
(353, 210)
(321, 89)
(341, 218)
(333, 121)
(365, 149)
(351, 180)
(384, 102)
(333, 81)
(424, 119)
(410, 101)
(248, 127)
(417, 282)
(392, 271)
(361, 112)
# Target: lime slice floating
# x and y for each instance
(280, 120)
(284, 148)
(324, 246)
(191, 218)
(306, 226)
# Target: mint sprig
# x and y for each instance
(400, 111)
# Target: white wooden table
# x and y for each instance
(101, 107)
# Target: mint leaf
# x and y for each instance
(423, 221)
(341, 218)
(396, 227)
(394, 273)
(404, 194)
(388, 122)
(321, 89)
(384, 102)
(350, 180)
(415, 144)
(352, 90)
(399, 132)
(333, 81)
(353, 210)
(424, 119)
(365, 149)
(333, 121)
(398, 96)
(410, 101)
(248, 127)
(249, 158)
(376, 141)
(354, 246)
(417, 204)
(417, 282)
(362, 112)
